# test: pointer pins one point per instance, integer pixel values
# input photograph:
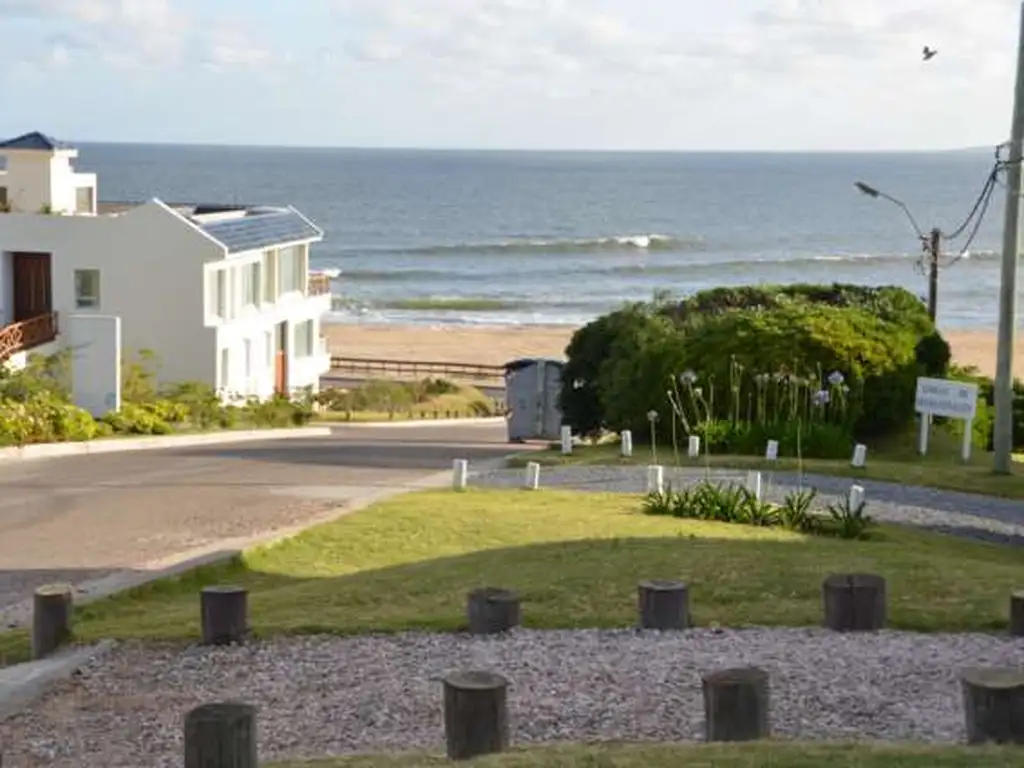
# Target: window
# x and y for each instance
(4, 205)
(225, 367)
(290, 270)
(251, 285)
(247, 346)
(87, 288)
(219, 293)
(304, 339)
(83, 200)
(270, 273)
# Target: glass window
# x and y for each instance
(87, 288)
(304, 339)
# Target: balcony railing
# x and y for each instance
(318, 284)
(27, 334)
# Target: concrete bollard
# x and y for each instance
(532, 477)
(771, 452)
(566, 439)
(655, 479)
(856, 496)
(754, 484)
(694, 451)
(627, 443)
(860, 455)
(460, 473)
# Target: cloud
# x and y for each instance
(137, 34)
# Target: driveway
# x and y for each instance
(81, 518)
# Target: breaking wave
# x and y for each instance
(554, 245)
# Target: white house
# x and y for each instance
(221, 294)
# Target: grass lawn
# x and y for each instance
(762, 755)
(406, 564)
(895, 461)
(388, 400)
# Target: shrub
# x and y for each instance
(761, 356)
(731, 503)
(134, 419)
(44, 418)
(582, 401)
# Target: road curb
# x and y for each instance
(413, 423)
(22, 684)
(62, 450)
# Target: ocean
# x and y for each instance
(439, 237)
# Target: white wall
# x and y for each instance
(38, 181)
(151, 276)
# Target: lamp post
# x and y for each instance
(931, 243)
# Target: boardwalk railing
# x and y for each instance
(414, 368)
(27, 334)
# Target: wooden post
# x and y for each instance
(475, 714)
(221, 736)
(492, 610)
(663, 604)
(736, 704)
(51, 618)
(1017, 614)
(225, 614)
(994, 705)
(854, 602)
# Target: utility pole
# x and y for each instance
(934, 247)
(1003, 389)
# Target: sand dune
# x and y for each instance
(497, 345)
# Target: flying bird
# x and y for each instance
(928, 53)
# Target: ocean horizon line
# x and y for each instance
(426, 149)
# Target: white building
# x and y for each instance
(221, 294)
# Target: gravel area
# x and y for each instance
(319, 696)
(985, 518)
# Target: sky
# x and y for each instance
(524, 74)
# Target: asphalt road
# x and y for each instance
(80, 518)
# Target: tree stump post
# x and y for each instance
(492, 610)
(51, 618)
(225, 614)
(1017, 614)
(221, 736)
(854, 602)
(475, 714)
(736, 704)
(994, 705)
(663, 604)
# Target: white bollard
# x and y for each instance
(856, 496)
(566, 439)
(460, 471)
(655, 479)
(771, 453)
(754, 484)
(860, 455)
(532, 479)
(694, 446)
(627, 443)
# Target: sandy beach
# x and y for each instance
(488, 345)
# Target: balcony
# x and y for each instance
(23, 336)
(318, 284)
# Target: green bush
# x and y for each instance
(35, 405)
(760, 357)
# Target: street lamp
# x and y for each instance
(930, 242)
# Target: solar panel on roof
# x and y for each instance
(249, 233)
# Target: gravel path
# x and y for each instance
(979, 517)
(320, 696)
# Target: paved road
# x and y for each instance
(81, 518)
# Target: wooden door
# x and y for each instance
(33, 290)
(281, 360)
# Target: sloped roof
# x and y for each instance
(261, 228)
(35, 141)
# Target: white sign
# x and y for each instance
(566, 439)
(694, 447)
(95, 342)
(952, 399)
(532, 478)
(860, 455)
(942, 397)
(460, 471)
(655, 479)
(627, 443)
(771, 452)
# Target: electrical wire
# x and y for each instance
(983, 196)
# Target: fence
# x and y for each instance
(414, 368)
